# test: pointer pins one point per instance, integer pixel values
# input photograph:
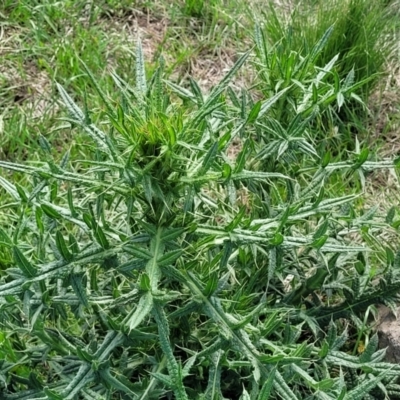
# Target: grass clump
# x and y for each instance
(364, 39)
(140, 271)
(199, 9)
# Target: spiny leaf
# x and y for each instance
(370, 349)
(117, 382)
(84, 376)
(141, 84)
(143, 308)
(267, 104)
(360, 391)
(173, 367)
(267, 387)
(182, 92)
(79, 289)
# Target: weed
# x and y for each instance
(164, 240)
(363, 38)
(141, 275)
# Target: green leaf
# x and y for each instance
(360, 391)
(212, 283)
(253, 115)
(224, 140)
(44, 144)
(363, 155)
(84, 355)
(221, 86)
(147, 187)
(321, 231)
(171, 234)
(390, 215)
(267, 387)
(209, 159)
(50, 211)
(138, 251)
(101, 237)
(267, 104)
(73, 244)
(226, 171)
(39, 221)
(110, 108)
(23, 264)
(51, 395)
(271, 263)
(277, 239)
(174, 369)
(256, 175)
(21, 193)
(236, 221)
(325, 160)
(314, 93)
(165, 379)
(282, 387)
(5, 238)
(62, 247)
(324, 349)
(79, 117)
(83, 377)
(196, 90)
(316, 50)
(182, 92)
(370, 349)
(143, 309)
(118, 383)
(169, 258)
(9, 187)
(77, 281)
(144, 283)
(320, 242)
(226, 254)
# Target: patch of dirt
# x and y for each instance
(382, 188)
(388, 328)
(234, 149)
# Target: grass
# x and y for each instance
(45, 41)
(212, 241)
(364, 37)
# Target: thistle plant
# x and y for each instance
(143, 272)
